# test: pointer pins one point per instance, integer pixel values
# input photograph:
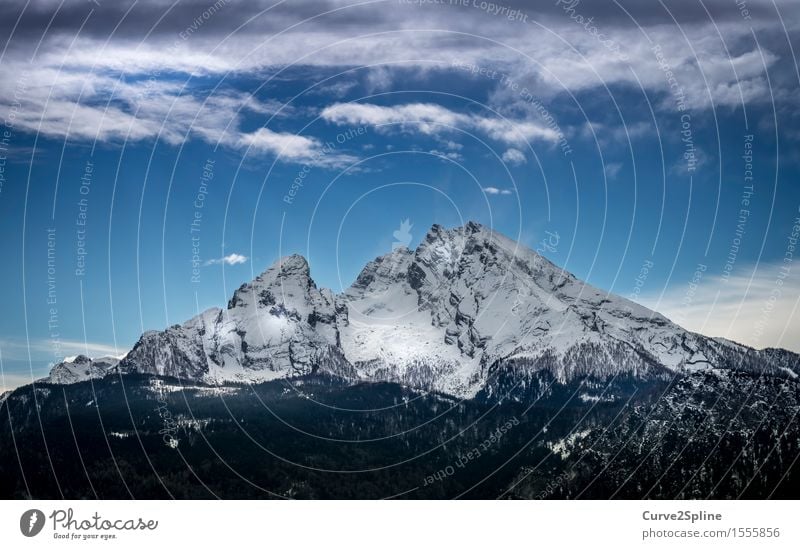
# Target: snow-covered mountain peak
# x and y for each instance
(294, 265)
(81, 368)
(286, 283)
(444, 251)
(475, 303)
(381, 273)
(280, 324)
(468, 310)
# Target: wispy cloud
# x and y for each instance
(608, 135)
(496, 191)
(71, 73)
(424, 117)
(432, 119)
(87, 106)
(55, 350)
(231, 259)
(612, 169)
(451, 155)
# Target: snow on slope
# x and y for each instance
(470, 297)
(80, 368)
(390, 337)
(469, 301)
(467, 305)
(278, 325)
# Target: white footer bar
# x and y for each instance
(400, 524)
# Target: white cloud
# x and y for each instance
(515, 132)
(607, 136)
(612, 169)
(231, 259)
(756, 307)
(379, 79)
(425, 117)
(294, 148)
(280, 143)
(496, 191)
(92, 106)
(514, 156)
(431, 119)
(568, 58)
(54, 350)
(71, 73)
(452, 155)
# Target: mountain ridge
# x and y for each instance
(466, 308)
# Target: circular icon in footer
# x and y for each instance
(31, 522)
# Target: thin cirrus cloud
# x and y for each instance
(431, 119)
(295, 148)
(567, 56)
(231, 259)
(56, 350)
(64, 92)
(86, 107)
(57, 82)
(47, 352)
(612, 169)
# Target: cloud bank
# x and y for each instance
(141, 70)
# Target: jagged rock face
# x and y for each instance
(468, 311)
(381, 274)
(280, 324)
(477, 311)
(391, 336)
(81, 368)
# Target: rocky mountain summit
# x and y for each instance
(469, 311)
(81, 368)
(468, 367)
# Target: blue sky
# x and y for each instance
(318, 127)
